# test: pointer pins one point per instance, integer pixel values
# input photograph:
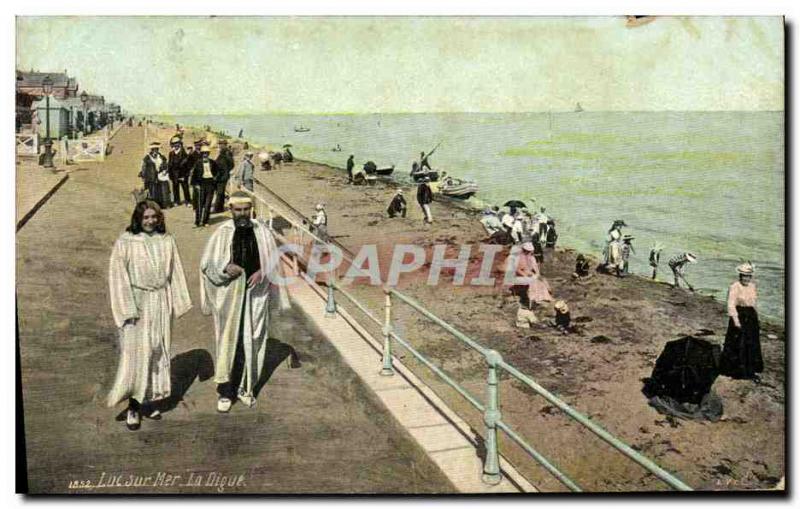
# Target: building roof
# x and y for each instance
(34, 79)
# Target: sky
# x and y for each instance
(248, 65)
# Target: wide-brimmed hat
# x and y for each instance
(175, 140)
(527, 246)
(223, 142)
(746, 269)
(560, 305)
(154, 144)
(399, 191)
(248, 153)
(691, 257)
(205, 149)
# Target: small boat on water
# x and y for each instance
(372, 169)
(301, 129)
(578, 108)
(458, 188)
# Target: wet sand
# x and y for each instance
(626, 323)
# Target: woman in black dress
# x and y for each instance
(741, 354)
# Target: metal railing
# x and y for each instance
(492, 416)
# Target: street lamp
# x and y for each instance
(84, 100)
(47, 86)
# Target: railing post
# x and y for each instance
(388, 369)
(330, 304)
(491, 467)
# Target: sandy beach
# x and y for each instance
(624, 325)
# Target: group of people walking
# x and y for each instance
(239, 270)
(193, 166)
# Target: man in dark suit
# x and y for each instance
(176, 164)
(225, 164)
(425, 198)
(152, 164)
(204, 177)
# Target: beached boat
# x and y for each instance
(417, 176)
(301, 129)
(372, 169)
(458, 188)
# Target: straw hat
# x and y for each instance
(692, 258)
(263, 156)
(746, 269)
(560, 305)
(175, 140)
(248, 153)
(205, 149)
(319, 206)
(527, 246)
(155, 144)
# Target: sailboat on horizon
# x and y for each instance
(578, 107)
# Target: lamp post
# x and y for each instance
(84, 100)
(47, 86)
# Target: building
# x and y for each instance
(30, 88)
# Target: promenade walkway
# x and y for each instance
(316, 428)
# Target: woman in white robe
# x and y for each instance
(147, 288)
(223, 296)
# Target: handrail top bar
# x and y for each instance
(598, 430)
(438, 321)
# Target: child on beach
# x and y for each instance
(627, 249)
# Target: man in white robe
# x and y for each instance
(147, 288)
(237, 295)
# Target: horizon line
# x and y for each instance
(344, 113)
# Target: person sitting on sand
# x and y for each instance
(581, 268)
(563, 320)
(536, 290)
(397, 205)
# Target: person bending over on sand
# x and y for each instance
(147, 289)
(581, 268)
(425, 198)
(741, 354)
(240, 265)
(397, 205)
(491, 223)
(677, 264)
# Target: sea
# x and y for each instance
(710, 183)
